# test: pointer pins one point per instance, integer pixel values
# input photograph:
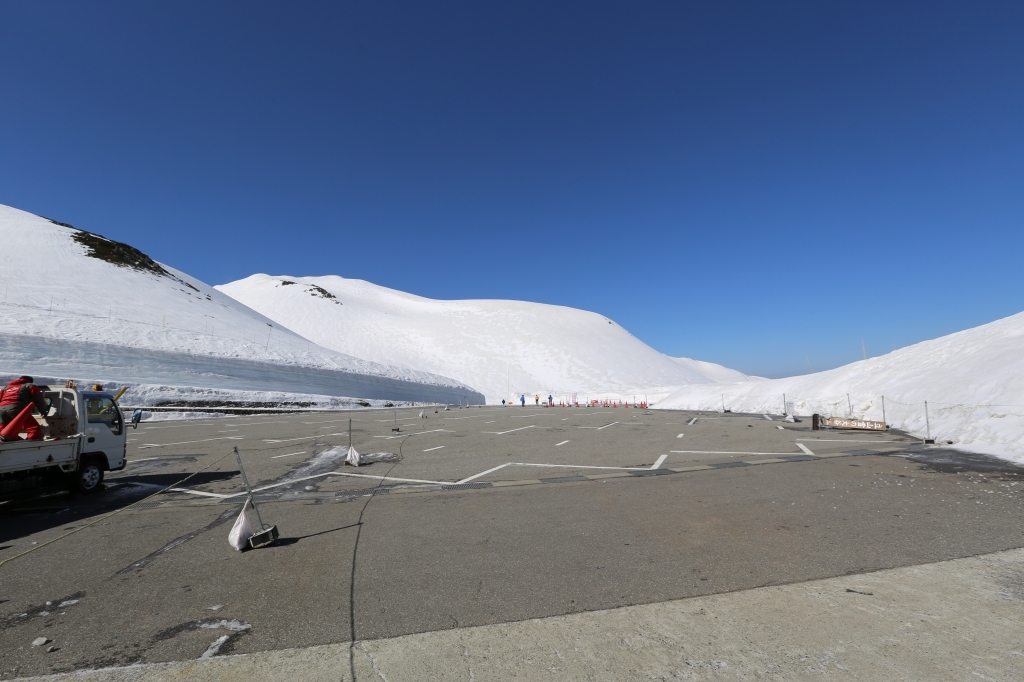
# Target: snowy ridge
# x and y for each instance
(973, 381)
(61, 284)
(501, 348)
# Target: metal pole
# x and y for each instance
(723, 403)
(883, 409)
(784, 408)
(849, 406)
(245, 479)
(350, 433)
(927, 423)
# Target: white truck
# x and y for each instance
(85, 435)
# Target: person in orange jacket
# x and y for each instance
(15, 397)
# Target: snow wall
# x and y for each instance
(83, 360)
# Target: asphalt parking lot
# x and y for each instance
(491, 515)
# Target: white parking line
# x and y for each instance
(576, 466)
(307, 478)
(414, 433)
(188, 442)
(598, 428)
(848, 440)
(256, 423)
(288, 440)
(679, 436)
(562, 443)
(178, 426)
(289, 454)
(804, 448)
(502, 433)
(659, 461)
(767, 417)
(692, 422)
(726, 452)
(780, 428)
(483, 473)
(490, 422)
(431, 449)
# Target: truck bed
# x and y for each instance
(32, 454)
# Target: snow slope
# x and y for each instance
(501, 348)
(76, 301)
(973, 381)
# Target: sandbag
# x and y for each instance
(352, 458)
(243, 528)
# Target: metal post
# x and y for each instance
(883, 410)
(723, 403)
(245, 479)
(927, 423)
(350, 433)
(784, 413)
(849, 406)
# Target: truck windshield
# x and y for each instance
(102, 410)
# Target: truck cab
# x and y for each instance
(85, 435)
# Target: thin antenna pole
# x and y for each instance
(245, 479)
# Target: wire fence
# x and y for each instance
(935, 420)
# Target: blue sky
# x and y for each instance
(763, 185)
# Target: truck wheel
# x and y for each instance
(88, 478)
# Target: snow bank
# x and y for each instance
(64, 289)
(501, 348)
(973, 382)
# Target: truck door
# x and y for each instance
(104, 428)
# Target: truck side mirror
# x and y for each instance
(136, 417)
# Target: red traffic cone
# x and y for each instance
(23, 422)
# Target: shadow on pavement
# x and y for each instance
(61, 509)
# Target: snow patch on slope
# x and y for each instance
(973, 381)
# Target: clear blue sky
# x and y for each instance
(749, 183)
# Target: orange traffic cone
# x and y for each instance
(23, 422)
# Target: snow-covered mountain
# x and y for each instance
(77, 304)
(500, 348)
(973, 381)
